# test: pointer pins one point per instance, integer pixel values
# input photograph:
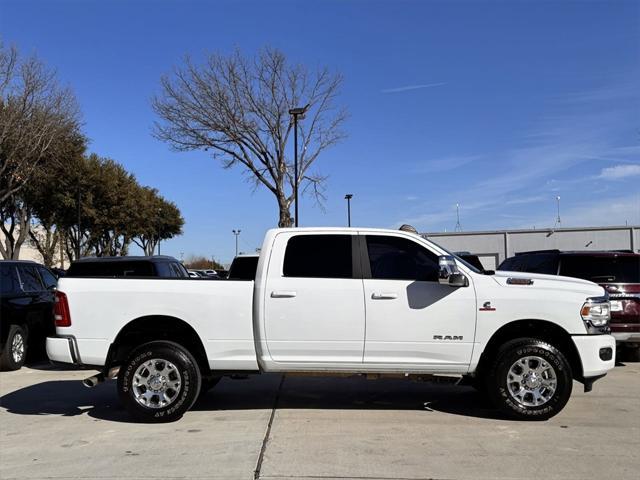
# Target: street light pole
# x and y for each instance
(78, 206)
(296, 112)
(558, 202)
(236, 233)
(348, 198)
(158, 227)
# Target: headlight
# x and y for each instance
(596, 312)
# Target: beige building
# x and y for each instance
(30, 252)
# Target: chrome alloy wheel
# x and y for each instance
(532, 381)
(17, 348)
(156, 383)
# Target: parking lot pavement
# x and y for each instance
(322, 428)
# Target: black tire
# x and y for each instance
(183, 371)
(500, 389)
(16, 343)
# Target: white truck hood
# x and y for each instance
(554, 282)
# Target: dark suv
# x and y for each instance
(617, 271)
(161, 266)
(26, 315)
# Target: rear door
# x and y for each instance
(314, 304)
(13, 301)
(36, 299)
(411, 318)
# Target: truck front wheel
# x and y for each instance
(529, 380)
(159, 382)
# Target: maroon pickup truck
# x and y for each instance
(617, 271)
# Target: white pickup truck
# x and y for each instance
(336, 300)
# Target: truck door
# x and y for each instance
(411, 318)
(314, 300)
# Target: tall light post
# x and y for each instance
(158, 227)
(558, 205)
(348, 198)
(236, 233)
(78, 212)
(296, 112)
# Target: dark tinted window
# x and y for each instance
(395, 258)
(542, 263)
(111, 269)
(9, 282)
(314, 256)
(179, 271)
(243, 268)
(622, 269)
(546, 263)
(50, 281)
(163, 269)
(512, 264)
(30, 278)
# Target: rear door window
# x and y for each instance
(49, 280)
(30, 278)
(9, 282)
(602, 269)
(318, 256)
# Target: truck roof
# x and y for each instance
(132, 258)
(340, 229)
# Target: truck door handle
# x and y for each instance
(384, 296)
(283, 294)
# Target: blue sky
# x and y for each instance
(497, 106)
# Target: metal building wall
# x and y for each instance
(494, 246)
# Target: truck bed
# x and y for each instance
(219, 311)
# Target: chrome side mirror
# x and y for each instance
(448, 273)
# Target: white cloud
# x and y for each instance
(619, 172)
(406, 88)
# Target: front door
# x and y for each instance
(314, 305)
(411, 318)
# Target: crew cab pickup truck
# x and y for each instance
(336, 300)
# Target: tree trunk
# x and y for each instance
(285, 215)
(46, 241)
(16, 231)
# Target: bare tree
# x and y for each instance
(238, 108)
(35, 113)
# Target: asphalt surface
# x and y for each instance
(271, 427)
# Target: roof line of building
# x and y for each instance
(531, 230)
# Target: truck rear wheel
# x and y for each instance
(530, 380)
(14, 351)
(159, 382)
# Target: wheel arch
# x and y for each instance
(533, 328)
(156, 327)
